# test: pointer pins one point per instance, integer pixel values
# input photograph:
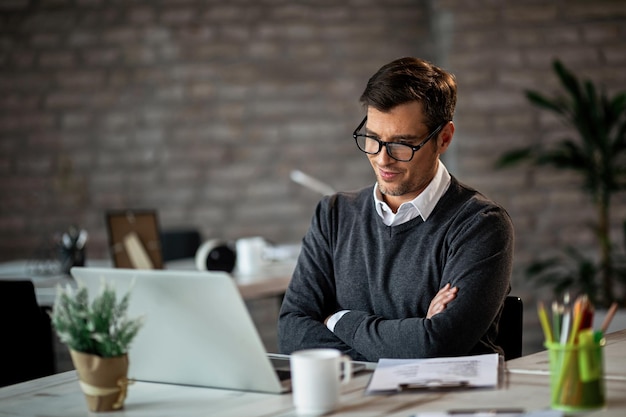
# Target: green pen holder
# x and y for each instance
(577, 374)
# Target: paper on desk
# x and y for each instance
(468, 371)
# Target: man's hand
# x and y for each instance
(441, 300)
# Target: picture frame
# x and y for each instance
(134, 239)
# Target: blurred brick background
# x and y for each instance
(200, 109)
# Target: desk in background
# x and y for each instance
(262, 293)
(60, 395)
(271, 281)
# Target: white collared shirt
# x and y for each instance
(422, 205)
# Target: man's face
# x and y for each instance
(403, 181)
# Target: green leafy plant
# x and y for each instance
(598, 154)
(100, 327)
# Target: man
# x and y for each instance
(419, 264)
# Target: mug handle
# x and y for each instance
(345, 362)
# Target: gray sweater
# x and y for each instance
(387, 276)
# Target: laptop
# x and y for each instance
(197, 330)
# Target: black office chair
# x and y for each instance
(510, 328)
(26, 350)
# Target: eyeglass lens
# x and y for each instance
(397, 151)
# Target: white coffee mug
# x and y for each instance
(316, 376)
(250, 252)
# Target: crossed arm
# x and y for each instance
(437, 305)
(407, 314)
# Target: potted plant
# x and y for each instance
(597, 152)
(98, 335)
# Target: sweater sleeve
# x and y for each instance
(477, 258)
(310, 297)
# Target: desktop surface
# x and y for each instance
(60, 395)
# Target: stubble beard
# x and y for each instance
(394, 190)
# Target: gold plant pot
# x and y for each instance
(104, 381)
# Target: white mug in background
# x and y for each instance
(250, 254)
(316, 376)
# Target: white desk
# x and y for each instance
(60, 395)
(271, 281)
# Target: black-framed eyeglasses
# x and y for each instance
(399, 151)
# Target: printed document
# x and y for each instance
(453, 372)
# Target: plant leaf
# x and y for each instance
(101, 328)
(540, 100)
(514, 157)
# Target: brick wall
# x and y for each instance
(501, 49)
(201, 108)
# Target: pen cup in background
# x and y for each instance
(577, 373)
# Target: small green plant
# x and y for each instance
(100, 328)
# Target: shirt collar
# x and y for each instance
(422, 205)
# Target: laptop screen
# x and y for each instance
(197, 329)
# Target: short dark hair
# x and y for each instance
(412, 79)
